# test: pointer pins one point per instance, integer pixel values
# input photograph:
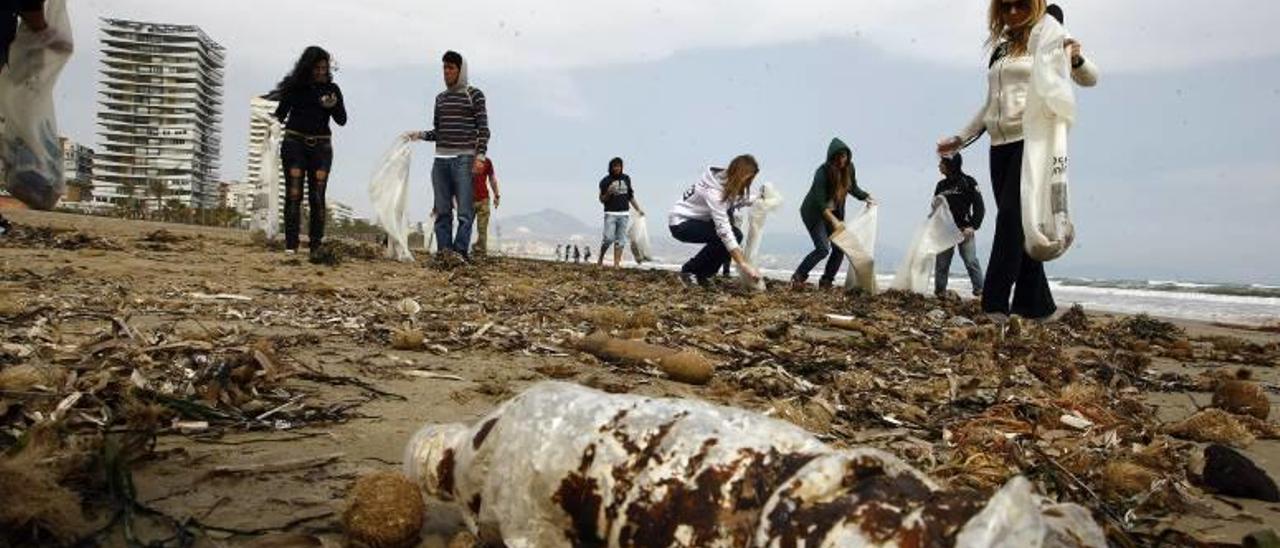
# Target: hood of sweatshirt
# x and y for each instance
(462, 83)
(836, 147)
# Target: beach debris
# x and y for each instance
(464, 539)
(1126, 480)
(286, 465)
(35, 507)
(1016, 516)
(407, 339)
(384, 510)
(601, 469)
(1242, 398)
(205, 353)
(685, 366)
(432, 375)
(1076, 318)
(1266, 538)
(1230, 473)
(1213, 426)
(1147, 329)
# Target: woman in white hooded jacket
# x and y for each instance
(1009, 80)
(702, 217)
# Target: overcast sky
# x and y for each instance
(1176, 172)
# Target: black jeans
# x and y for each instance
(707, 262)
(307, 161)
(1009, 265)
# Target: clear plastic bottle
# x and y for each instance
(564, 465)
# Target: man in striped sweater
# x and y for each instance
(461, 133)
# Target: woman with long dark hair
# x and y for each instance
(308, 100)
(702, 217)
(1010, 23)
(823, 212)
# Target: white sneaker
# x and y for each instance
(290, 252)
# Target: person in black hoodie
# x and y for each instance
(965, 200)
(308, 100)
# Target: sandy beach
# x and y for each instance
(242, 391)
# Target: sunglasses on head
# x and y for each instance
(1010, 6)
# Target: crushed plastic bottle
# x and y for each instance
(564, 465)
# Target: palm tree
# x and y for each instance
(176, 211)
(158, 189)
(128, 188)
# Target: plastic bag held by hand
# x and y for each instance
(767, 202)
(266, 215)
(1050, 112)
(30, 154)
(938, 234)
(638, 233)
(564, 465)
(858, 242)
(389, 193)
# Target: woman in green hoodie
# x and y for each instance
(823, 212)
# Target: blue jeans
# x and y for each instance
(821, 236)
(968, 253)
(615, 230)
(451, 183)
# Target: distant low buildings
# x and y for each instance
(238, 196)
(342, 213)
(77, 168)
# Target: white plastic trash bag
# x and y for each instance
(430, 234)
(389, 193)
(768, 201)
(938, 234)
(858, 242)
(638, 234)
(266, 215)
(565, 465)
(1016, 517)
(30, 154)
(1047, 120)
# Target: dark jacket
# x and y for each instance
(964, 198)
(820, 191)
(617, 197)
(301, 111)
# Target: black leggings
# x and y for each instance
(1010, 265)
(309, 162)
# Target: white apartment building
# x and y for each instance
(160, 115)
(260, 109)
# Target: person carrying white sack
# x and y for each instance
(1011, 24)
(823, 213)
(40, 33)
(618, 196)
(965, 201)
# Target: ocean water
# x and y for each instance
(1238, 304)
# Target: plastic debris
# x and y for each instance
(563, 465)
